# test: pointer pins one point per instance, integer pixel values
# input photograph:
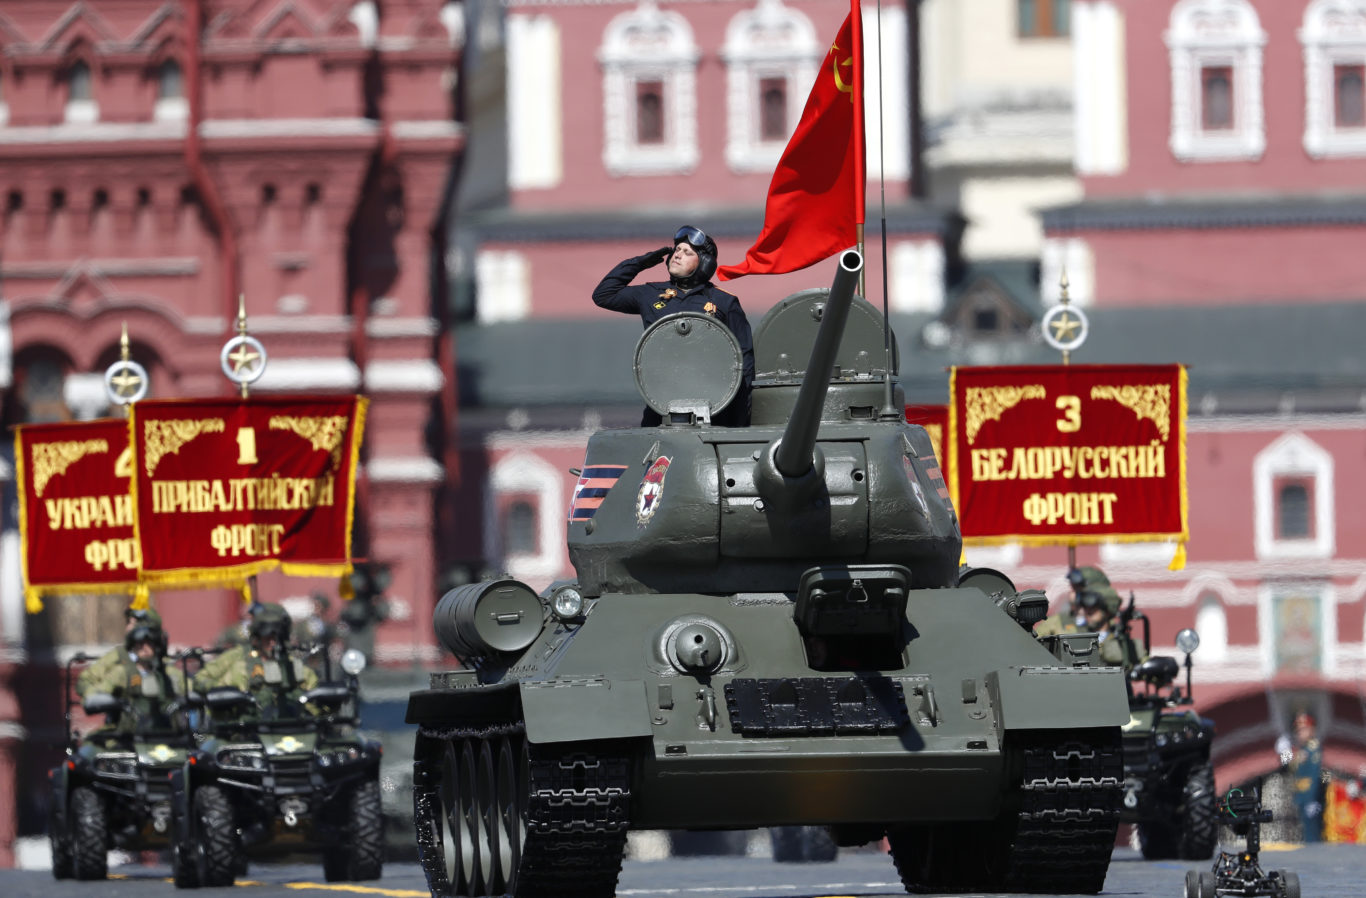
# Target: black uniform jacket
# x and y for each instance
(649, 301)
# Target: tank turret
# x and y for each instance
(818, 474)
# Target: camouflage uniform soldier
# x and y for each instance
(1101, 606)
(1073, 620)
(143, 677)
(264, 670)
(111, 660)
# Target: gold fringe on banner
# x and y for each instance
(345, 591)
(140, 598)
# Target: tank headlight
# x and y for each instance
(353, 661)
(1188, 640)
(567, 603)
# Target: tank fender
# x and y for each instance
(1058, 697)
(473, 705)
(577, 710)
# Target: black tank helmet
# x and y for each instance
(705, 247)
(146, 632)
(269, 620)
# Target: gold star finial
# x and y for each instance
(125, 382)
(1065, 326)
(242, 358)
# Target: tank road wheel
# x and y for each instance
(950, 857)
(1199, 829)
(89, 834)
(497, 867)
(456, 854)
(218, 848)
(510, 811)
(360, 854)
(475, 836)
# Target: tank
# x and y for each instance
(769, 627)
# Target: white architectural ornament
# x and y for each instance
(643, 46)
(1211, 622)
(1334, 34)
(1073, 255)
(1101, 104)
(503, 285)
(535, 148)
(917, 276)
(1293, 455)
(770, 41)
(1216, 33)
(524, 473)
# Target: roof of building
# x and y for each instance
(1198, 211)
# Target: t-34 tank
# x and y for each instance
(769, 627)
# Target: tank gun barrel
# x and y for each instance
(794, 454)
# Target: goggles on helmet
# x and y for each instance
(692, 235)
(1090, 600)
(1076, 578)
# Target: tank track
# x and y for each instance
(1071, 793)
(1054, 836)
(577, 813)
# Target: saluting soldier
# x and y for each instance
(265, 669)
(692, 262)
(112, 659)
(143, 677)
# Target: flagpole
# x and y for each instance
(889, 411)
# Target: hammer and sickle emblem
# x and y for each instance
(835, 64)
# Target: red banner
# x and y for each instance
(1046, 455)
(75, 508)
(227, 488)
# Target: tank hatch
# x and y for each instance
(783, 339)
(688, 367)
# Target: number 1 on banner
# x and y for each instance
(246, 446)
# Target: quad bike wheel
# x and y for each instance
(218, 849)
(89, 834)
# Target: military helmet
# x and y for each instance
(704, 246)
(1087, 576)
(146, 631)
(269, 620)
(142, 616)
(1100, 596)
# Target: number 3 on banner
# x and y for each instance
(246, 446)
(1071, 413)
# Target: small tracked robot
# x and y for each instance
(1238, 873)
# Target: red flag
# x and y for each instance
(815, 199)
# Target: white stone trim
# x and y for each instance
(646, 44)
(526, 472)
(81, 112)
(534, 115)
(403, 376)
(11, 589)
(414, 469)
(6, 347)
(502, 285)
(885, 69)
(382, 328)
(1216, 33)
(996, 557)
(1111, 553)
(206, 326)
(288, 127)
(365, 17)
(768, 41)
(917, 276)
(1100, 86)
(1073, 255)
(1334, 33)
(427, 129)
(96, 132)
(4, 114)
(330, 374)
(171, 109)
(299, 324)
(1293, 454)
(1211, 622)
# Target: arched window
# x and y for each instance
(1211, 622)
(1334, 38)
(40, 381)
(81, 107)
(649, 84)
(771, 53)
(519, 528)
(170, 81)
(1216, 62)
(1292, 485)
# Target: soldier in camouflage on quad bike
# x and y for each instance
(112, 790)
(281, 767)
